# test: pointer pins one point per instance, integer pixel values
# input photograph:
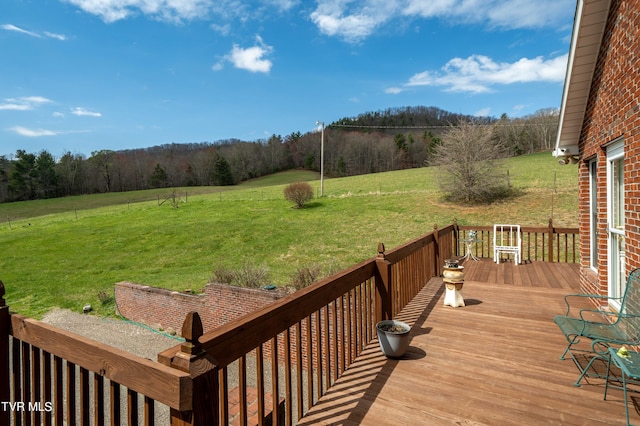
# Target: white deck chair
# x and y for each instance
(507, 239)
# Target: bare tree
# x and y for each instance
(468, 160)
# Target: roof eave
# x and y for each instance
(588, 30)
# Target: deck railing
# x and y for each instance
(53, 377)
(270, 366)
(546, 243)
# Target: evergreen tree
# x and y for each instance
(23, 179)
(158, 178)
(221, 175)
(47, 179)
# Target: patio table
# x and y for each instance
(469, 242)
(630, 367)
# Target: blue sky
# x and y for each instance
(87, 75)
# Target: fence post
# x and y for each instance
(4, 356)
(383, 277)
(194, 360)
(551, 238)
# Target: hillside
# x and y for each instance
(75, 256)
(373, 142)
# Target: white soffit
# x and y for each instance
(590, 21)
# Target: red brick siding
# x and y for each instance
(613, 111)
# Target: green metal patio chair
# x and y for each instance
(602, 328)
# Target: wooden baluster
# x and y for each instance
(71, 393)
(287, 377)
(223, 393)
(114, 397)
(47, 374)
(327, 345)
(319, 353)
(436, 260)
(58, 391)
(84, 396)
(550, 240)
(260, 380)
(98, 398)
(276, 415)
(298, 349)
(309, 355)
(132, 407)
(194, 360)
(149, 411)
(4, 355)
(26, 381)
(242, 389)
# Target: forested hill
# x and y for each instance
(391, 139)
(406, 117)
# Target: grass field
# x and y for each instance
(65, 252)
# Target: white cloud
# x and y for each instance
(12, 106)
(33, 133)
(478, 73)
(494, 13)
(393, 90)
(484, 112)
(335, 18)
(60, 37)
(164, 10)
(251, 58)
(57, 114)
(221, 29)
(25, 103)
(84, 112)
(10, 27)
(283, 5)
(353, 21)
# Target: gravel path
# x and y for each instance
(131, 337)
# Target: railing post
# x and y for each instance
(383, 277)
(551, 238)
(194, 360)
(436, 251)
(456, 235)
(4, 356)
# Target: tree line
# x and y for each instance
(373, 142)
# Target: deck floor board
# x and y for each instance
(493, 362)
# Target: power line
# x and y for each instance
(441, 126)
(365, 126)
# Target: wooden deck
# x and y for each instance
(493, 362)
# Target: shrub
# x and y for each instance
(251, 276)
(305, 276)
(106, 298)
(248, 275)
(298, 193)
(222, 275)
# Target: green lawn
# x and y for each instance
(66, 258)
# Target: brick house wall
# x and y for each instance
(613, 112)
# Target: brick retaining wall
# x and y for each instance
(166, 309)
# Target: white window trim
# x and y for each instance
(593, 205)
